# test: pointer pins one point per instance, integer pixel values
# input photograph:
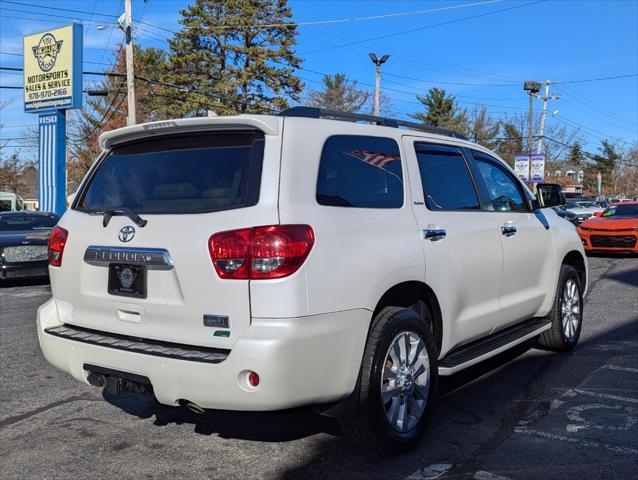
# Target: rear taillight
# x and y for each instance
(260, 252)
(57, 241)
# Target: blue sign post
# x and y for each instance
(51, 159)
(52, 85)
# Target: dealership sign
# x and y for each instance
(53, 69)
(52, 85)
(521, 167)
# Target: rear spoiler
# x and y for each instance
(266, 123)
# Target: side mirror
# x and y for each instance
(549, 195)
(597, 214)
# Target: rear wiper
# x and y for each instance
(127, 212)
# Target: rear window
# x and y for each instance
(179, 174)
(360, 171)
(12, 222)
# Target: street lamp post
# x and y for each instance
(532, 87)
(377, 79)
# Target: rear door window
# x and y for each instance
(447, 184)
(361, 172)
(194, 173)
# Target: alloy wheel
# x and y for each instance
(405, 382)
(570, 309)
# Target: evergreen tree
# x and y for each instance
(238, 54)
(603, 162)
(339, 93)
(484, 129)
(441, 111)
(576, 155)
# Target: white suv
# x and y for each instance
(265, 262)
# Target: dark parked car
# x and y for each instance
(567, 215)
(23, 243)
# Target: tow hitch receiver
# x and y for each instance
(115, 381)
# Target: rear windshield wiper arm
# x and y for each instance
(127, 212)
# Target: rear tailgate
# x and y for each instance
(187, 188)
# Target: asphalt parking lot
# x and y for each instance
(527, 414)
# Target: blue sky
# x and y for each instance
(481, 60)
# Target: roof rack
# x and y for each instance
(314, 112)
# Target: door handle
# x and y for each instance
(434, 234)
(508, 230)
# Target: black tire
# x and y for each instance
(555, 338)
(370, 428)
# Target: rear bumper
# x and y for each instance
(24, 270)
(300, 361)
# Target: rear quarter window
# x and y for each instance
(193, 173)
(360, 172)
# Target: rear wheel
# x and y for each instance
(398, 382)
(567, 313)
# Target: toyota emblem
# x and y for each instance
(126, 234)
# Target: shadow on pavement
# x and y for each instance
(284, 425)
(627, 276)
(24, 282)
(280, 426)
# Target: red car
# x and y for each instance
(613, 230)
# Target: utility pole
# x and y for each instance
(545, 98)
(377, 79)
(130, 72)
(532, 88)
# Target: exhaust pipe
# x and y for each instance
(193, 407)
(96, 379)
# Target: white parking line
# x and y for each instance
(622, 369)
(575, 415)
(585, 443)
(483, 475)
(606, 395)
(436, 470)
(431, 472)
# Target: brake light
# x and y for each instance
(57, 241)
(275, 251)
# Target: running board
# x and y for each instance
(479, 350)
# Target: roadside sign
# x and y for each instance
(52, 85)
(521, 167)
(53, 69)
(538, 168)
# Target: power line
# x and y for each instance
(369, 17)
(613, 122)
(573, 122)
(600, 79)
(453, 83)
(104, 119)
(288, 24)
(418, 29)
(164, 84)
(596, 107)
(57, 8)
